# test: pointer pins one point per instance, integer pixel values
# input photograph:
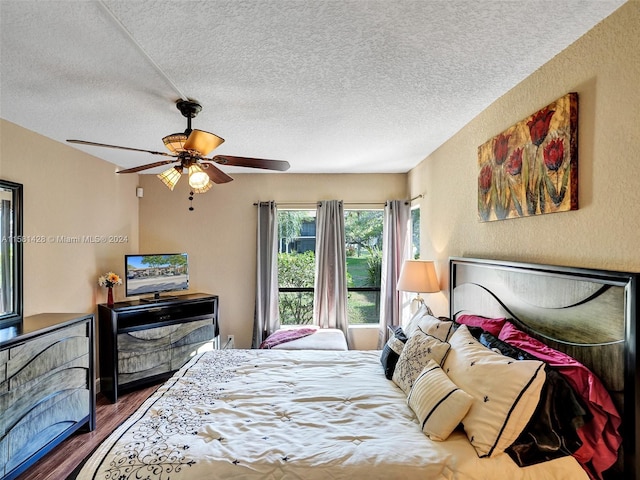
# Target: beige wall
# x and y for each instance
(604, 68)
(220, 233)
(67, 194)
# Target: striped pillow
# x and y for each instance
(437, 402)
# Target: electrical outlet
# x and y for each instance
(230, 342)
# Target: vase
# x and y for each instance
(110, 296)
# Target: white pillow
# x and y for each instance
(505, 391)
(417, 352)
(430, 325)
(412, 325)
(437, 402)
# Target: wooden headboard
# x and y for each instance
(588, 314)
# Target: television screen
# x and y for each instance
(156, 273)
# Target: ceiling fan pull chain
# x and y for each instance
(191, 202)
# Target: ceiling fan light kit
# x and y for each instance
(175, 142)
(171, 176)
(203, 189)
(197, 178)
(190, 150)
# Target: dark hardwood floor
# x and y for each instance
(60, 462)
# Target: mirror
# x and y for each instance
(11, 241)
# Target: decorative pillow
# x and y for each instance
(419, 349)
(600, 436)
(491, 325)
(412, 325)
(437, 402)
(391, 352)
(505, 391)
(552, 429)
(441, 329)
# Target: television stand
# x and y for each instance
(142, 343)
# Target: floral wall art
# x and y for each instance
(532, 167)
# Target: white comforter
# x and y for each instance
(276, 414)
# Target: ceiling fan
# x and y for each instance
(189, 150)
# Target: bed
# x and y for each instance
(308, 414)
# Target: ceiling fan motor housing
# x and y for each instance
(188, 108)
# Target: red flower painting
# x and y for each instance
(532, 167)
(554, 154)
(485, 178)
(539, 125)
(501, 148)
(514, 165)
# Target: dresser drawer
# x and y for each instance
(24, 368)
(19, 402)
(191, 338)
(44, 422)
(144, 353)
(22, 354)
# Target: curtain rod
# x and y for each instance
(313, 204)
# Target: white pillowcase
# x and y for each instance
(417, 352)
(441, 329)
(412, 325)
(505, 391)
(437, 402)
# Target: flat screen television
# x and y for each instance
(156, 274)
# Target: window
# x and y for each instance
(296, 265)
(415, 232)
(363, 232)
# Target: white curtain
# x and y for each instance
(330, 288)
(396, 248)
(266, 319)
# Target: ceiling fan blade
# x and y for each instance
(215, 174)
(202, 142)
(94, 144)
(279, 165)
(145, 167)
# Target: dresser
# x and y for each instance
(144, 342)
(47, 386)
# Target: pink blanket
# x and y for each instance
(283, 336)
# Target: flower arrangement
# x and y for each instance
(109, 280)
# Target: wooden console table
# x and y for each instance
(144, 342)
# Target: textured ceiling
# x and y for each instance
(328, 85)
